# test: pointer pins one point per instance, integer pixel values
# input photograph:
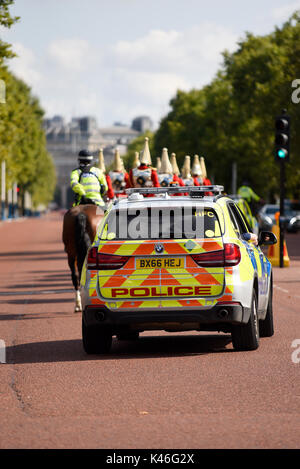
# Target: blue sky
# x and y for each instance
(117, 59)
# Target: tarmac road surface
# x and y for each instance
(187, 390)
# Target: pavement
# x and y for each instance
(187, 390)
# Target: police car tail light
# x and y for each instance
(209, 259)
(229, 256)
(111, 261)
(232, 254)
(99, 261)
(92, 258)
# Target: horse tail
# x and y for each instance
(82, 240)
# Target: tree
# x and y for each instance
(232, 119)
(22, 139)
(6, 20)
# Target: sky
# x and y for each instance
(119, 59)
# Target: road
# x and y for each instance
(186, 390)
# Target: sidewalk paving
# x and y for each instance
(286, 285)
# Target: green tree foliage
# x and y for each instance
(232, 118)
(22, 139)
(6, 20)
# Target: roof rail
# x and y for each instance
(193, 191)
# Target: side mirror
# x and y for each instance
(266, 238)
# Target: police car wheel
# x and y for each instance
(266, 326)
(96, 339)
(246, 336)
(133, 335)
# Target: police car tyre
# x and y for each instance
(246, 336)
(96, 339)
(133, 335)
(266, 326)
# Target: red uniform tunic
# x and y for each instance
(110, 191)
(143, 176)
(177, 181)
(120, 182)
(205, 182)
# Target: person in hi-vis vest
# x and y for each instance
(87, 181)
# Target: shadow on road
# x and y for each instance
(33, 301)
(19, 254)
(145, 347)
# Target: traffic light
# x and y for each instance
(282, 138)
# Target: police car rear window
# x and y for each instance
(161, 223)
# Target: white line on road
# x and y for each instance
(281, 289)
(285, 291)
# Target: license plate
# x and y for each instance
(160, 263)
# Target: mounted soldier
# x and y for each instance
(199, 173)
(144, 175)
(177, 180)
(186, 174)
(118, 175)
(206, 181)
(165, 172)
(168, 174)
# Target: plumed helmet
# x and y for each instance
(196, 168)
(165, 167)
(203, 167)
(136, 161)
(174, 164)
(101, 161)
(85, 157)
(186, 169)
(118, 162)
(145, 156)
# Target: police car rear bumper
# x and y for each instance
(218, 314)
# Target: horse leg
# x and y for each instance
(75, 281)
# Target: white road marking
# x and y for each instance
(281, 289)
(285, 291)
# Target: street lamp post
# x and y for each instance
(3, 191)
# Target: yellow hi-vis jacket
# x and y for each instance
(248, 194)
(90, 182)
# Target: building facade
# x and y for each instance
(66, 139)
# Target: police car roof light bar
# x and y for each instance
(193, 191)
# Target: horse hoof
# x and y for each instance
(77, 310)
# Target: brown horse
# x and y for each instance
(79, 230)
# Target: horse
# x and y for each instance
(79, 230)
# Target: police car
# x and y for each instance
(176, 264)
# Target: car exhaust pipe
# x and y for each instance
(100, 315)
(223, 313)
